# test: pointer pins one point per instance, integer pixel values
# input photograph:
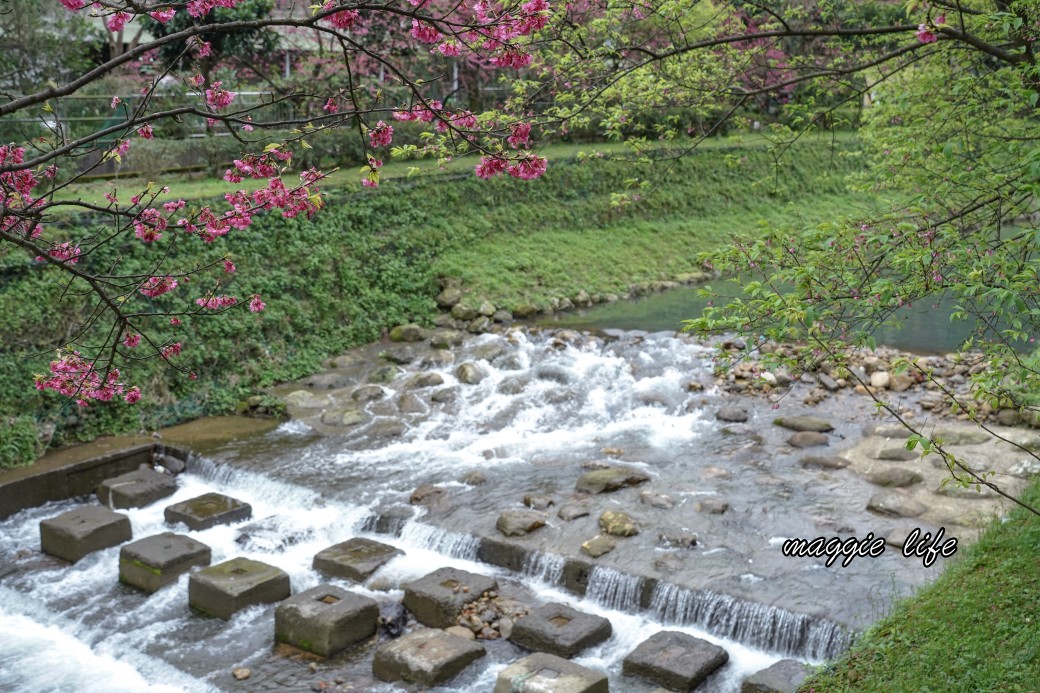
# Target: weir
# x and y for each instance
(548, 409)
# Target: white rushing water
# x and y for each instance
(542, 411)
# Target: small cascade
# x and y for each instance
(546, 567)
(442, 541)
(754, 624)
(614, 589)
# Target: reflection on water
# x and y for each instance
(924, 328)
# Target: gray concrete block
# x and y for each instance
(675, 661)
(427, 657)
(782, 677)
(74, 534)
(135, 489)
(225, 588)
(208, 510)
(546, 673)
(560, 630)
(355, 559)
(154, 562)
(325, 620)
(437, 599)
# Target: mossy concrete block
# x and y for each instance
(154, 562)
(546, 673)
(355, 559)
(560, 630)
(225, 588)
(136, 489)
(783, 677)
(675, 661)
(325, 620)
(208, 510)
(437, 599)
(426, 657)
(74, 534)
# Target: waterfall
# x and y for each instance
(547, 567)
(614, 589)
(448, 543)
(759, 625)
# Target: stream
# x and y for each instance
(547, 405)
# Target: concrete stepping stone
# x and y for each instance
(546, 673)
(135, 489)
(325, 620)
(436, 600)
(560, 630)
(154, 562)
(675, 661)
(74, 534)
(355, 559)
(231, 586)
(208, 510)
(426, 657)
(783, 677)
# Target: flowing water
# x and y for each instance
(547, 405)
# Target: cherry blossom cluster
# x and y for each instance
(72, 375)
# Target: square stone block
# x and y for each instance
(208, 510)
(560, 630)
(674, 660)
(74, 534)
(427, 657)
(231, 586)
(154, 562)
(437, 599)
(135, 489)
(783, 677)
(325, 620)
(355, 559)
(546, 673)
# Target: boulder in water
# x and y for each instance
(618, 524)
(674, 660)
(808, 439)
(610, 479)
(804, 423)
(599, 545)
(517, 523)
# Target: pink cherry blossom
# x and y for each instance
(133, 395)
(73, 5)
(381, 135)
(255, 304)
(131, 340)
(157, 286)
(175, 321)
(116, 101)
(490, 166)
(219, 98)
(449, 49)
(229, 266)
(925, 35)
(117, 21)
(330, 106)
(521, 132)
(163, 16)
(424, 33)
(528, 167)
(146, 132)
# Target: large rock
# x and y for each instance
(962, 436)
(152, 563)
(425, 657)
(894, 476)
(517, 523)
(228, 587)
(572, 510)
(208, 510)
(136, 489)
(895, 504)
(674, 660)
(898, 454)
(804, 423)
(783, 677)
(469, 373)
(618, 524)
(407, 333)
(599, 545)
(367, 393)
(610, 479)
(355, 559)
(325, 620)
(421, 380)
(829, 462)
(74, 534)
(808, 439)
(437, 599)
(449, 297)
(732, 414)
(560, 630)
(546, 673)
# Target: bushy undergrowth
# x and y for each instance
(372, 260)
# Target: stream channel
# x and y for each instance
(547, 405)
